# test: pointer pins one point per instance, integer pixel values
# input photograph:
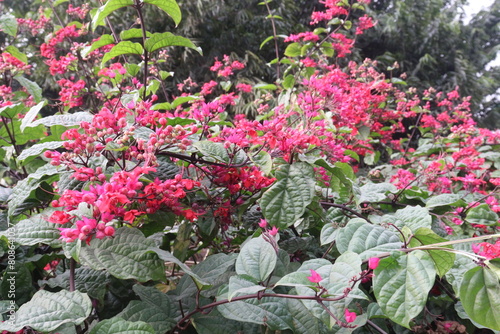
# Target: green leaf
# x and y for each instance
(287, 199)
(133, 33)
(47, 311)
(90, 281)
(65, 120)
(443, 260)
(257, 259)
(108, 8)
(127, 255)
(401, 285)
(21, 275)
(289, 81)
(32, 87)
(214, 323)
(8, 24)
(117, 325)
(444, 200)
(295, 279)
(162, 40)
(243, 285)
(12, 110)
(480, 296)
(293, 50)
(104, 40)
(413, 217)
(269, 38)
(168, 6)
(31, 115)
(328, 233)
(482, 215)
(168, 257)
(461, 265)
(213, 150)
(35, 230)
(14, 52)
(37, 149)
(270, 311)
(263, 160)
(336, 279)
(122, 48)
(23, 189)
(375, 192)
(367, 240)
(155, 308)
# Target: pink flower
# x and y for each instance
(263, 223)
(373, 262)
(273, 231)
(315, 277)
(349, 316)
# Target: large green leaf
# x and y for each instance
(155, 308)
(336, 279)
(163, 40)
(90, 281)
(37, 149)
(8, 24)
(104, 40)
(47, 311)
(287, 199)
(32, 87)
(23, 189)
(35, 230)
(127, 255)
(443, 200)
(31, 114)
(65, 120)
(402, 283)
(480, 296)
(213, 150)
(413, 217)
(118, 325)
(243, 285)
(168, 6)
(366, 240)
(257, 259)
(482, 215)
(123, 48)
(271, 311)
(109, 7)
(375, 192)
(214, 323)
(443, 260)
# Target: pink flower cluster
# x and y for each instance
(226, 67)
(488, 250)
(71, 92)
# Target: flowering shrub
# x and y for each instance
(347, 204)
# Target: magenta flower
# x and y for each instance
(273, 231)
(373, 262)
(263, 223)
(315, 277)
(349, 316)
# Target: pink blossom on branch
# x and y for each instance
(315, 277)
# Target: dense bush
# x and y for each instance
(126, 212)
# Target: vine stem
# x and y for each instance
(182, 323)
(345, 208)
(275, 36)
(138, 6)
(377, 328)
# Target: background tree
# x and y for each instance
(435, 46)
